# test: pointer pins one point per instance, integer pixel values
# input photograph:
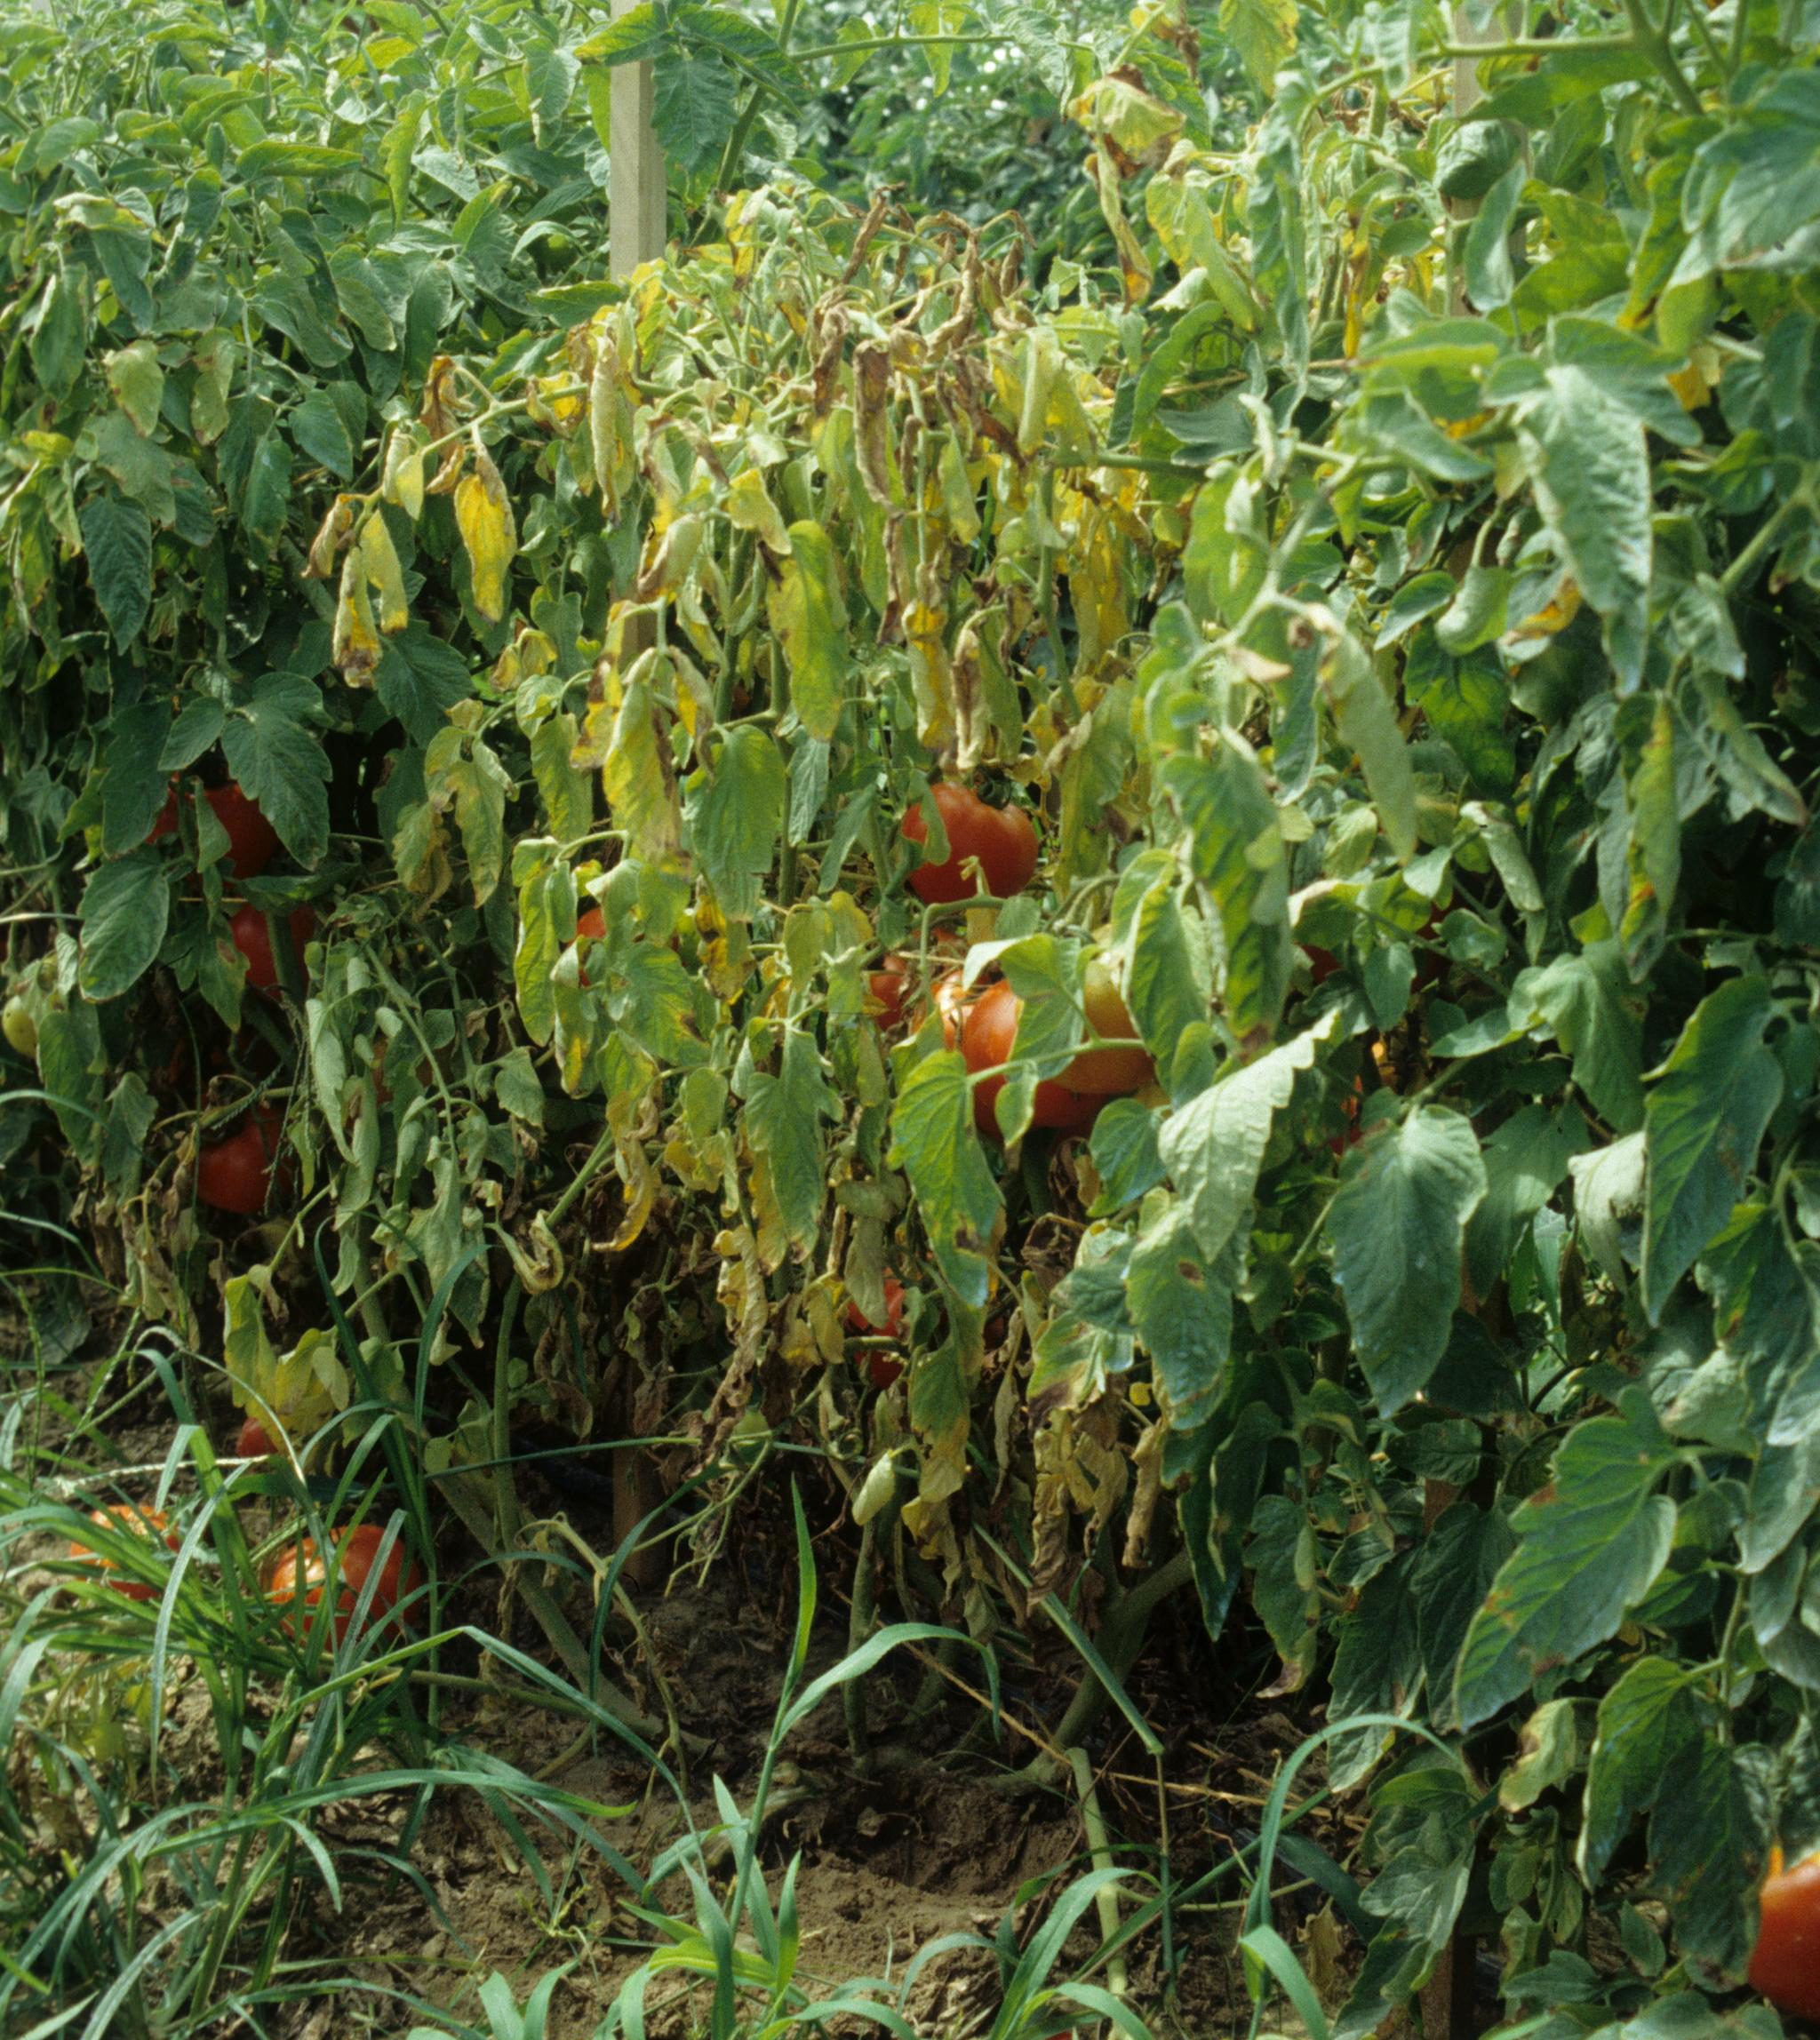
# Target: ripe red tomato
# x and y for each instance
(142, 1523)
(254, 1442)
(301, 1571)
(238, 1174)
(252, 840)
(882, 1367)
(1003, 840)
(986, 1036)
(1786, 1966)
(252, 937)
(1321, 962)
(887, 988)
(1108, 1072)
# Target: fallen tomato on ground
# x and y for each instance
(1001, 839)
(142, 1523)
(301, 1574)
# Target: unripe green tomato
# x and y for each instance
(20, 1030)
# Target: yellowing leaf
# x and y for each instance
(355, 645)
(809, 617)
(483, 516)
(378, 559)
(402, 482)
(749, 505)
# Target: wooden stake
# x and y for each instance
(636, 212)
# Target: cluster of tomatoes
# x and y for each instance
(996, 846)
(239, 1173)
(296, 1579)
(1001, 843)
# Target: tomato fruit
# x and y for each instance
(20, 1030)
(986, 1036)
(1003, 840)
(252, 840)
(300, 1571)
(883, 1368)
(888, 988)
(142, 1523)
(1322, 963)
(254, 1442)
(252, 937)
(1108, 1072)
(1785, 1968)
(236, 1175)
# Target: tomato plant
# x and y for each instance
(239, 1174)
(1785, 1965)
(300, 1577)
(1001, 841)
(148, 1523)
(250, 929)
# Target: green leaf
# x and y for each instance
(319, 431)
(1397, 1224)
(933, 1142)
(810, 618)
(1214, 1146)
(125, 907)
(1235, 846)
(1592, 1543)
(1454, 1569)
(1707, 1110)
(693, 111)
(1645, 731)
(1647, 1719)
(1708, 1840)
(1264, 33)
(1590, 1006)
(463, 771)
(1181, 1306)
(736, 814)
(783, 1118)
(1169, 978)
(116, 542)
(1526, 1161)
(1367, 723)
(1591, 470)
(630, 39)
(295, 159)
(1486, 255)
(273, 750)
(265, 505)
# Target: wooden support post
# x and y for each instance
(637, 216)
